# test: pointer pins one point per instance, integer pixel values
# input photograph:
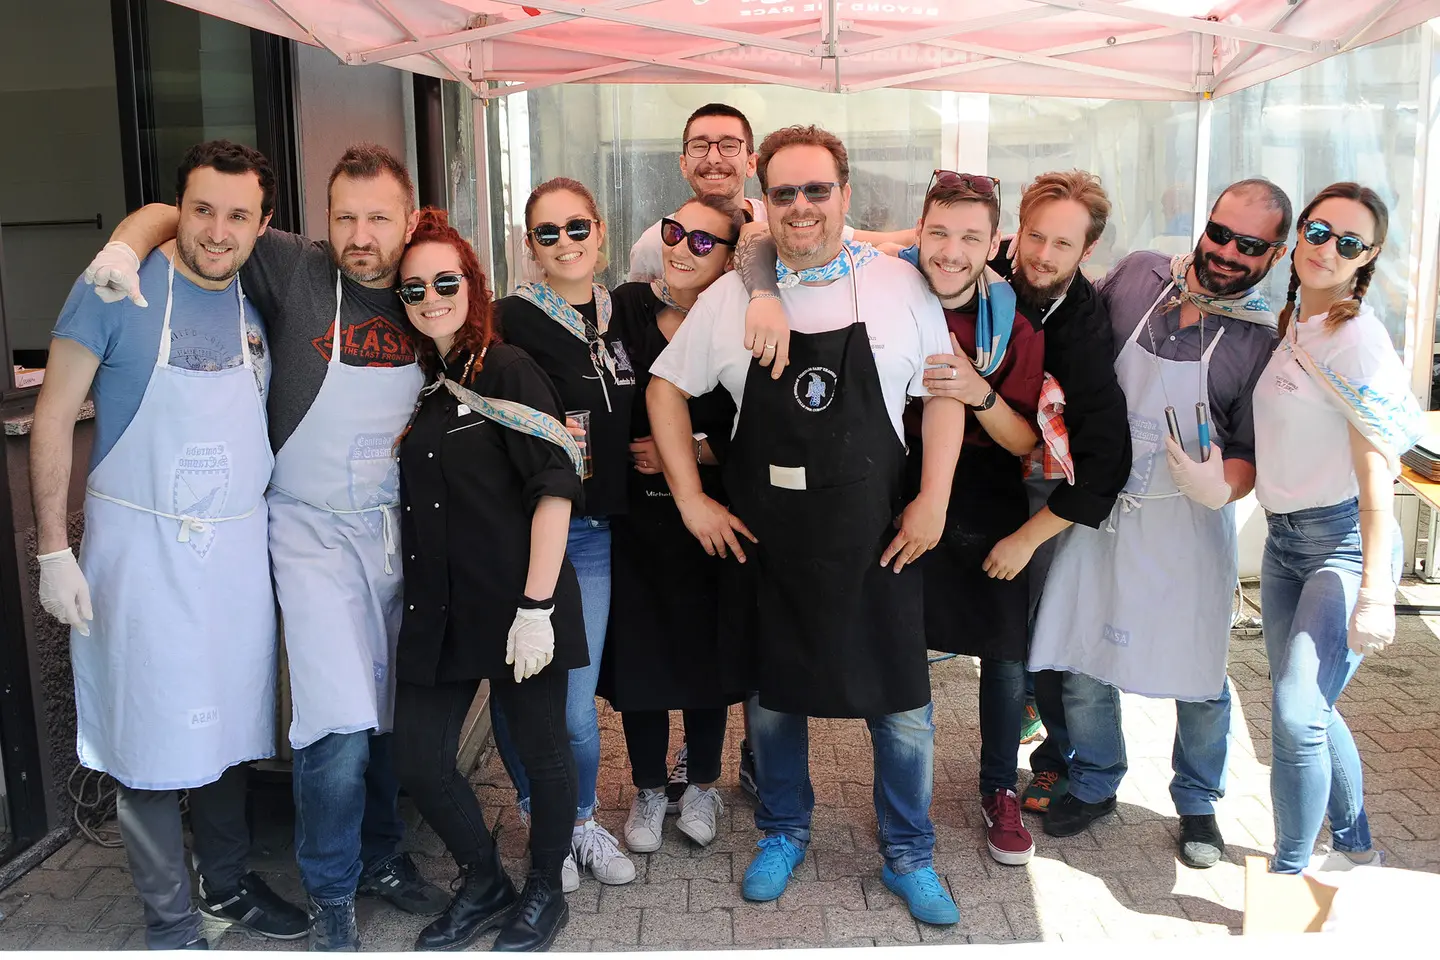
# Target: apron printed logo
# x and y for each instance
(376, 342)
(1145, 442)
(378, 669)
(1285, 383)
(374, 478)
(1121, 638)
(200, 484)
(204, 717)
(815, 388)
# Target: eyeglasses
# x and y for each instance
(548, 234)
(698, 148)
(700, 242)
(1317, 233)
(817, 191)
(1248, 246)
(976, 183)
(445, 284)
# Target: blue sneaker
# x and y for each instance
(923, 893)
(769, 872)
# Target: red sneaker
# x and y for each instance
(1010, 843)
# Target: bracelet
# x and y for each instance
(764, 295)
(527, 604)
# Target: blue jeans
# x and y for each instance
(1002, 715)
(1309, 583)
(588, 549)
(346, 811)
(1093, 741)
(904, 745)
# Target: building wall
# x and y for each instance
(340, 105)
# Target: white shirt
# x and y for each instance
(647, 260)
(1302, 439)
(902, 318)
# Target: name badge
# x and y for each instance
(788, 478)
(462, 411)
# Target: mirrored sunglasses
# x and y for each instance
(700, 242)
(445, 284)
(548, 234)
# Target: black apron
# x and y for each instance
(824, 629)
(967, 611)
(662, 647)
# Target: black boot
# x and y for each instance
(538, 919)
(485, 901)
(333, 928)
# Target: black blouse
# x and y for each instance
(468, 490)
(567, 363)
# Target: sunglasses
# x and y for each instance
(817, 191)
(976, 183)
(698, 148)
(548, 234)
(1249, 246)
(1317, 233)
(445, 284)
(700, 242)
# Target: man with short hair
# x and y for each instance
(1144, 607)
(175, 659)
(819, 622)
(345, 387)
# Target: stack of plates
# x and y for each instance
(1424, 457)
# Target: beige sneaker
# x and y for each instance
(700, 812)
(597, 850)
(643, 828)
(569, 875)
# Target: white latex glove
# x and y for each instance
(531, 643)
(1372, 625)
(1203, 482)
(63, 591)
(115, 272)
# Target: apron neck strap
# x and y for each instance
(335, 326)
(162, 358)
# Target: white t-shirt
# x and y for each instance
(647, 262)
(1302, 439)
(902, 318)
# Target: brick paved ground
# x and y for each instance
(1120, 879)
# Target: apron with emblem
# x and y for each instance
(333, 538)
(816, 471)
(1144, 602)
(176, 681)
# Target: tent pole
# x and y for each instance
(1204, 107)
(480, 134)
(1424, 271)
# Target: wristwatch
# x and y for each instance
(699, 444)
(985, 404)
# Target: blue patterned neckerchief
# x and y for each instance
(512, 415)
(662, 292)
(1383, 409)
(859, 255)
(994, 315)
(1250, 306)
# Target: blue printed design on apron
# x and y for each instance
(201, 484)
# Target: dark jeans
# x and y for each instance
(427, 740)
(1002, 714)
(647, 739)
(1051, 755)
(149, 823)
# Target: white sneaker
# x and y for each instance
(569, 875)
(1329, 860)
(647, 818)
(596, 849)
(699, 812)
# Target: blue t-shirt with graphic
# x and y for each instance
(204, 335)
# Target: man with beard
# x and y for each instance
(1145, 606)
(817, 620)
(996, 370)
(717, 156)
(346, 382)
(175, 660)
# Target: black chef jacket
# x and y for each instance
(1080, 353)
(468, 489)
(566, 361)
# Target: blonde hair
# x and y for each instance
(1079, 185)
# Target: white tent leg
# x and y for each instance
(1204, 108)
(1424, 271)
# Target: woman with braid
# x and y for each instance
(1333, 413)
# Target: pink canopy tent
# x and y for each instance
(1134, 49)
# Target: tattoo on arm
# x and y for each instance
(755, 262)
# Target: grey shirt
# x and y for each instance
(1135, 283)
(291, 279)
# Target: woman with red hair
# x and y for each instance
(488, 477)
